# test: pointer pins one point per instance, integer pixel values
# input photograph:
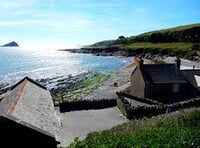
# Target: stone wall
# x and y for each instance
(87, 104)
(135, 112)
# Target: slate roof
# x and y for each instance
(161, 74)
(31, 105)
(191, 76)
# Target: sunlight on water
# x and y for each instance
(16, 63)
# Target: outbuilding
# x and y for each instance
(28, 117)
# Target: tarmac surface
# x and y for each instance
(80, 123)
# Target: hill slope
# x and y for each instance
(181, 40)
(103, 43)
(186, 33)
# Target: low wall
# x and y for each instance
(87, 104)
(132, 112)
(143, 100)
(194, 102)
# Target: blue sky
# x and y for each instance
(71, 23)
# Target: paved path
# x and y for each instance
(80, 123)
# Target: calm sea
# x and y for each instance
(16, 63)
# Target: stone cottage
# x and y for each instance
(27, 116)
(160, 81)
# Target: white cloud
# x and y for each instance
(50, 22)
(9, 23)
(31, 17)
(10, 4)
(62, 21)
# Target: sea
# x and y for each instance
(16, 63)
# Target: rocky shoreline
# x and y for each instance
(55, 85)
(109, 51)
(58, 86)
(116, 51)
(73, 87)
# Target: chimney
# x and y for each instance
(139, 61)
(193, 67)
(178, 62)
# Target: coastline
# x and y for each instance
(98, 85)
(108, 83)
(106, 89)
(59, 85)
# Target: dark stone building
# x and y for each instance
(162, 82)
(193, 77)
(28, 117)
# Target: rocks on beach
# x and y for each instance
(58, 85)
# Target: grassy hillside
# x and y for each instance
(176, 130)
(178, 48)
(187, 33)
(183, 40)
(179, 28)
(103, 43)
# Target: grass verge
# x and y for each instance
(178, 130)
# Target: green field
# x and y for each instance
(182, 49)
(158, 46)
(178, 28)
(178, 130)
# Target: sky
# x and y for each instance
(74, 23)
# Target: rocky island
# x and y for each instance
(11, 44)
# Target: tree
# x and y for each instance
(121, 37)
(157, 37)
(121, 40)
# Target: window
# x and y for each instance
(175, 88)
